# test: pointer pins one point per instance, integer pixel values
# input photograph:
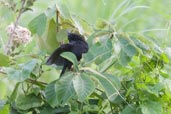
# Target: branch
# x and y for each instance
(57, 20)
(38, 83)
(10, 41)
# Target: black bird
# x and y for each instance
(76, 45)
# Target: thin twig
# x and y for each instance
(57, 20)
(9, 43)
(36, 82)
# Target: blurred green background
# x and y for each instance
(151, 18)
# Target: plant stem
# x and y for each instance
(10, 41)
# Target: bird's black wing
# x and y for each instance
(55, 57)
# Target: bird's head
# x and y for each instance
(75, 37)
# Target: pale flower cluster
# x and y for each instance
(19, 34)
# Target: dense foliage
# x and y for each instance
(126, 70)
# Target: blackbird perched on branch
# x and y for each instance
(76, 45)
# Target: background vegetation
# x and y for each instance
(126, 71)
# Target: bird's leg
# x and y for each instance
(63, 69)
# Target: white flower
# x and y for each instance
(20, 35)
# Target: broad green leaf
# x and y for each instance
(50, 12)
(38, 24)
(127, 46)
(51, 95)
(47, 110)
(60, 91)
(129, 110)
(124, 59)
(27, 102)
(104, 57)
(71, 57)
(61, 35)
(77, 24)
(130, 50)
(64, 88)
(4, 61)
(43, 45)
(14, 93)
(91, 39)
(50, 40)
(83, 86)
(3, 89)
(28, 67)
(23, 72)
(56, 110)
(123, 40)
(151, 107)
(63, 9)
(14, 74)
(114, 79)
(97, 51)
(110, 90)
(156, 89)
(65, 109)
(140, 44)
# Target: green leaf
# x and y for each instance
(60, 91)
(3, 88)
(4, 61)
(124, 59)
(64, 87)
(164, 74)
(126, 45)
(77, 24)
(27, 68)
(27, 102)
(114, 79)
(129, 110)
(23, 73)
(130, 50)
(156, 89)
(151, 107)
(50, 40)
(110, 90)
(97, 51)
(47, 110)
(83, 86)
(61, 35)
(106, 64)
(14, 93)
(71, 57)
(38, 24)
(63, 9)
(50, 92)
(50, 12)
(140, 44)
(123, 40)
